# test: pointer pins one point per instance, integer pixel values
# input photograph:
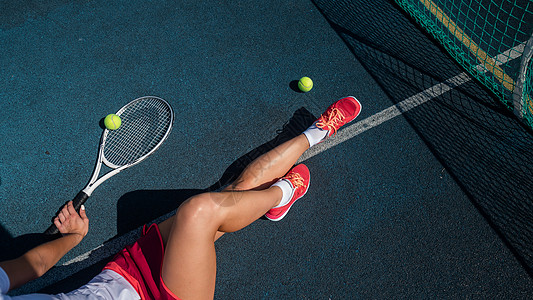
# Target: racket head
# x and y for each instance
(146, 124)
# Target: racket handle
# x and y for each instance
(77, 202)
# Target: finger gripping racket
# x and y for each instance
(146, 123)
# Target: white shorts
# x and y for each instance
(106, 285)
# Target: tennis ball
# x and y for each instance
(112, 122)
(305, 84)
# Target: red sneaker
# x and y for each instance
(298, 177)
(338, 114)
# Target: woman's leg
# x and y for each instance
(189, 265)
(269, 167)
(259, 174)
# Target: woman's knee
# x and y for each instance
(199, 208)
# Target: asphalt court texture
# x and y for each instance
(404, 209)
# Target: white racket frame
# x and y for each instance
(94, 182)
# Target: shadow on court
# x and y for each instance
(478, 140)
(13, 247)
(140, 207)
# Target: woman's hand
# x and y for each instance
(68, 221)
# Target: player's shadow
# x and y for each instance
(11, 247)
(140, 207)
(137, 208)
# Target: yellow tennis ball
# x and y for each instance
(305, 84)
(112, 122)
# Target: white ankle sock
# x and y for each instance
(315, 135)
(287, 190)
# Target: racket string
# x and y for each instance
(136, 143)
(136, 137)
(145, 124)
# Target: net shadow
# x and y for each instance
(480, 143)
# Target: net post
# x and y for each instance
(521, 99)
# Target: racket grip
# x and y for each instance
(77, 202)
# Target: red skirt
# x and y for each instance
(141, 263)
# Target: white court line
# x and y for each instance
(111, 247)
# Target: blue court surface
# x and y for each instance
(426, 195)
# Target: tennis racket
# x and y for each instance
(146, 124)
